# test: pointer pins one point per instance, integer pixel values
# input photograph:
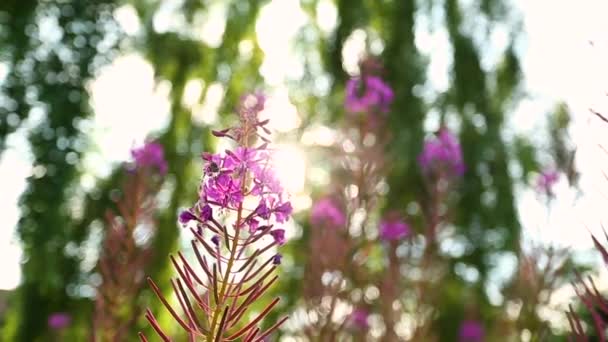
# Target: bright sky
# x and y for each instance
(559, 63)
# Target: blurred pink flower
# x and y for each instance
(59, 320)
(393, 229)
(547, 180)
(151, 154)
(359, 318)
(471, 331)
(325, 212)
(367, 94)
(442, 152)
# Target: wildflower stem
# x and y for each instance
(218, 305)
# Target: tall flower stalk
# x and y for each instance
(124, 259)
(237, 225)
(343, 227)
(361, 248)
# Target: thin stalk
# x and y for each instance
(235, 245)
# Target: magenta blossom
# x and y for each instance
(471, 331)
(279, 236)
(187, 216)
(232, 176)
(393, 229)
(547, 180)
(224, 190)
(265, 178)
(276, 259)
(442, 154)
(215, 239)
(359, 318)
(59, 320)
(151, 154)
(280, 210)
(325, 212)
(367, 94)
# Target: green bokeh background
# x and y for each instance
(43, 78)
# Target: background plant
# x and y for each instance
(126, 251)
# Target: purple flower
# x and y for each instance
(442, 153)
(393, 229)
(325, 212)
(151, 154)
(242, 159)
(368, 94)
(225, 174)
(59, 320)
(223, 189)
(253, 224)
(206, 212)
(216, 240)
(241, 200)
(547, 180)
(471, 331)
(187, 216)
(282, 212)
(359, 318)
(265, 180)
(263, 211)
(279, 236)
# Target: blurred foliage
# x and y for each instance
(45, 85)
(45, 93)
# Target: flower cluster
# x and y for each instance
(231, 177)
(241, 205)
(122, 258)
(326, 212)
(442, 155)
(368, 94)
(393, 229)
(151, 155)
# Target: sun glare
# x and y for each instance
(290, 167)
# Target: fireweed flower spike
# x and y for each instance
(339, 243)
(442, 155)
(123, 260)
(238, 218)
